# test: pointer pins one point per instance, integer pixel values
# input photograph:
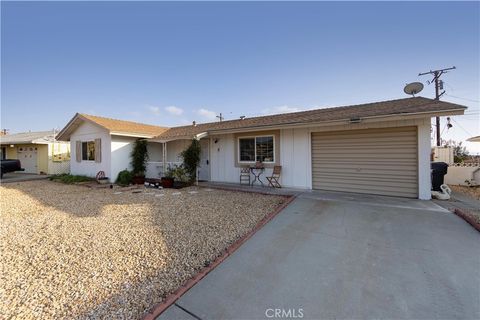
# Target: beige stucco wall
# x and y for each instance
(11, 152)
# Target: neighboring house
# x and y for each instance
(474, 139)
(38, 152)
(103, 144)
(376, 148)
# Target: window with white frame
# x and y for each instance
(259, 148)
(88, 150)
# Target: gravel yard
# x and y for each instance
(473, 194)
(69, 251)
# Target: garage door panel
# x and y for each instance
(404, 188)
(366, 132)
(375, 183)
(381, 136)
(368, 157)
(364, 176)
(382, 191)
(377, 161)
(371, 168)
(328, 152)
(355, 146)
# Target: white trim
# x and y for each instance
(424, 173)
(309, 182)
(255, 148)
(133, 135)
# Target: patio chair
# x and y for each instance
(273, 179)
(245, 175)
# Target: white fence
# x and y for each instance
(155, 169)
(58, 167)
(463, 174)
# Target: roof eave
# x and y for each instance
(133, 135)
(399, 116)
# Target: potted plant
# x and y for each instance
(181, 177)
(139, 157)
(168, 179)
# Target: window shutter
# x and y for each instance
(98, 150)
(78, 151)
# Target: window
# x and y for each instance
(88, 150)
(247, 149)
(264, 149)
(253, 149)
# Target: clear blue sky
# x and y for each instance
(171, 63)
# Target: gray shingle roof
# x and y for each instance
(377, 109)
(28, 137)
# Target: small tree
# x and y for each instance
(460, 152)
(139, 157)
(191, 159)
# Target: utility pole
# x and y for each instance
(220, 117)
(436, 77)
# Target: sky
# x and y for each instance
(169, 63)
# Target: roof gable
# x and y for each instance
(113, 126)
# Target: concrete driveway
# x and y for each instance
(343, 256)
(20, 177)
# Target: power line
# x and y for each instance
(466, 99)
(464, 130)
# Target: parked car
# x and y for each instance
(8, 165)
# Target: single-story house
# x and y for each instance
(376, 148)
(38, 152)
(103, 144)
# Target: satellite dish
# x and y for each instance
(413, 88)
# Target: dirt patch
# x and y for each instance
(73, 252)
(472, 192)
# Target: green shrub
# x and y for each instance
(139, 157)
(179, 173)
(69, 178)
(191, 159)
(124, 178)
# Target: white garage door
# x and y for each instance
(28, 158)
(374, 161)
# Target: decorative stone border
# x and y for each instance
(465, 216)
(158, 309)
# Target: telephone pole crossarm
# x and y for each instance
(436, 77)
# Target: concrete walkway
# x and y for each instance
(333, 255)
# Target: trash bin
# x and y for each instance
(439, 170)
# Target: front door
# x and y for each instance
(204, 167)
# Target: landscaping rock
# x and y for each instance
(67, 251)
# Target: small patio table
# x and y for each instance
(257, 172)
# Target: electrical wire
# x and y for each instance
(445, 127)
(462, 128)
(466, 99)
